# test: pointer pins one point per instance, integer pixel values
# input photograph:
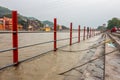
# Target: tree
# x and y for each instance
(113, 22)
(101, 28)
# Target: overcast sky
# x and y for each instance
(90, 13)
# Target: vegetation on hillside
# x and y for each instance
(50, 24)
(26, 21)
(4, 11)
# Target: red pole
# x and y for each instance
(84, 33)
(90, 32)
(94, 32)
(15, 37)
(55, 34)
(87, 31)
(78, 33)
(70, 33)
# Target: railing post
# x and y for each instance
(15, 37)
(55, 34)
(70, 33)
(93, 31)
(90, 32)
(78, 33)
(84, 33)
(87, 32)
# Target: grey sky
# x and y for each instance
(90, 13)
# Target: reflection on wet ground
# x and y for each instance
(48, 66)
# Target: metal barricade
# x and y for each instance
(15, 42)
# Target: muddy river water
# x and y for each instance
(46, 67)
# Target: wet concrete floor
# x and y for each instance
(49, 66)
(112, 68)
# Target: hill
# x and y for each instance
(49, 23)
(4, 11)
(23, 20)
(26, 21)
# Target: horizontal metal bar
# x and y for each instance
(7, 32)
(74, 37)
(42, 43)
(34, 44)
(4, 32)
(5, 50)
(10, 65)
(67, 45)
(31, 32)
(42, 54)
(75, 42)
(63, 39)
(63, 46)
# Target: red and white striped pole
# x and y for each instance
(55, 34)
(78, 33)
(70, 33)
(15, 36)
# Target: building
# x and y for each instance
(1, 27)
(60, 27)
(47, 29)
(30, 28)
(6, 24)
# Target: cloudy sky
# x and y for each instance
(90, 13)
